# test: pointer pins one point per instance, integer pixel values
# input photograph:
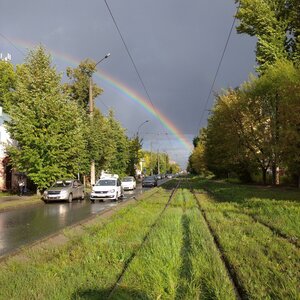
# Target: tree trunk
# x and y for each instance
(275, 174)
(264, 175)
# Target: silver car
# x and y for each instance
(66, 190)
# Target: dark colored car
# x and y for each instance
(149, 181)
(66, 190)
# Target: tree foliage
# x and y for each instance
(134, 147)
(158, 163)
(255, 127)
(7, 83)
(118, 157)
(78, 87)
(46, 124)
(53, 132)
(279, 90)
(275, 24)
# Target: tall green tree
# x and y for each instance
(119, 155)
(275, 24)
(7, 83)
(257, 125)
(197, 163)
(135, 145)
(78, 87)
(226, 147)
(100, 147)
(45, 123)
(278, 94)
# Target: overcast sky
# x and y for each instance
(176, 46)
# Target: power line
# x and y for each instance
(134, 65)
(219, 66)
(7, 39)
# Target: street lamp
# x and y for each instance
(138, 141)
(91, 102)
(137, 132)
(91, 109)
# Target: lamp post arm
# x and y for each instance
(137, 133)
(106, 56)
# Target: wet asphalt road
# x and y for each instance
(26, 225)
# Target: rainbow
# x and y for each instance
(119, 86)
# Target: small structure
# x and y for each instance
(8, 176)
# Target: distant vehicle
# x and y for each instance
(149, 181)
(67, 190)
(158, 176)
(107, 188)
(128, 183)
(169, 176)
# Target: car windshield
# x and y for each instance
(62, 183)
(150, 178)
(106, 182)
(127, 179)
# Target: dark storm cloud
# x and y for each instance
(176, 46)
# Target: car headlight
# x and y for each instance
(63, 193)
(112, 191)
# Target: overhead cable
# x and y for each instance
(218, 68)
(134, 65)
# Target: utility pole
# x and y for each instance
(91, 110)
(158, 166)
(151, 172)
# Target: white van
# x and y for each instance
(107, 188)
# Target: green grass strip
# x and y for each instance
(266, 265)
(153, 273)
(277, 207)
(179, 261)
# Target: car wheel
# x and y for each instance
(93, 201)
(70, 198)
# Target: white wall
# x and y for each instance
(4, 135)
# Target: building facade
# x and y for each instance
(8, 177)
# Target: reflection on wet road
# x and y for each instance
(28, 224)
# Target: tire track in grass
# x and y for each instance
(186, 265)
(275, 230)
(257, 219)
(134, 254)
(240, 291)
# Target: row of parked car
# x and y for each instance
(108, 187)
(111, 187)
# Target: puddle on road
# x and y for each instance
(28, 224)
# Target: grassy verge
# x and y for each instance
(266, 265)
(277, 207)
(179, 261)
